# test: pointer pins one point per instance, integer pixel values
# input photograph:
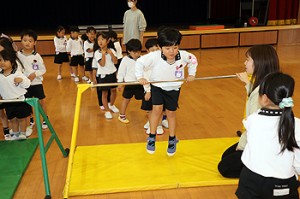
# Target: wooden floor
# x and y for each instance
(208, 109)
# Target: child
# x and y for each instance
(13, 86)
(75, 48)
(34, 69)
(272, 155)
(134, 23)
(166, 64)
(88, 47)
(105, 70)
(126, 73)
(61, 55)
(152, 45)
(5, 44)
(118, 47)
(261, 60)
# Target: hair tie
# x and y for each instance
(286, 102)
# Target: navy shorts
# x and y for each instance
(35, 91)
(61, 57)
(88, 64)
(111, 78)
(77, 60)
(167, 98)
(133, 90)
(17, 110)
(252, 185)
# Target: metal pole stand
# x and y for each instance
(34, 102)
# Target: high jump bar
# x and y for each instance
(178, 80)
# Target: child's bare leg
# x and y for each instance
(22, 125)
(172, 122)
(104, 99)
(124, 106)
(81, 68)
(155, 117)
(59, 69)
(3, 118)
(14, 125)
(113, 95)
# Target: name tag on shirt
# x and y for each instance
(281, 192)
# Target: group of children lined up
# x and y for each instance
(21, 76)
(163, 62)
(100, 54)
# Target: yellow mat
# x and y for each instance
(128, 167)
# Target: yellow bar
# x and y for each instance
(80, 89)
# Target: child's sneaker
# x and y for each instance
(28, 131)
(59, 77)
(76, 79)
(113, 108)
(172, 147)
(150, 145)
(85, 78)
(165, 124)
(123, 119)
(108, 115)
(73, 75)
(89, 81)
(147, 125)
(31, 122)
(7, 136)
(44, 125)
(18, 136)
(102, 108)
(159, 130)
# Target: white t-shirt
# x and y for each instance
(161, 70)
(262, 152)
(109, 67)
(126, 71)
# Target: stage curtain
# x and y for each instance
(283, 12)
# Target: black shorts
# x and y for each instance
(61, 57)
(133, 90)
(146, 105)
(88, 64)
(2, 106)
(111, 78)
(17, 110)
(35, 91)
(167, 98)
(252, 185)
(77, 60)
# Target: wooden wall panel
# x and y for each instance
(219, 40)
(288, 37)
(253, 38)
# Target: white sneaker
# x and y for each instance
(18, 136)
(89, 81)
(159, 130)
(85, 78)
(165, 124)
(59, 77)
(76, 79)
(147, 125)
(102, 108)
(44, 125)
(73, 75)
(108, 115)
(7, 136)
(113, 108)
(28, 131)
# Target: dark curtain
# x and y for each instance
(283, 12)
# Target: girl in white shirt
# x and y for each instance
(105, 70)
(272, 155)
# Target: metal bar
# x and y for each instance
(178, 80)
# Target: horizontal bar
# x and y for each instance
(178, 80)
(14, 100)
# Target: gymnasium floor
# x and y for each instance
(208, 109)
